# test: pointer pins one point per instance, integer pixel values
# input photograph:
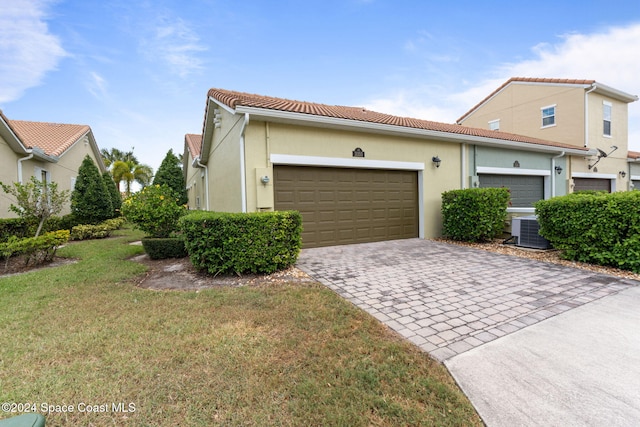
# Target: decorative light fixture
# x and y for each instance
(558, 170)
(436, 161)
(622, 173)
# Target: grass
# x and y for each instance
(287, 355)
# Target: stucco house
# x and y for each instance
(355, 175)
(579, 113)
(194, 174)
(47, 151)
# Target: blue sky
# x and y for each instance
(137, 71)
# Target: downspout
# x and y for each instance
(243, 167)
(206, 180)
(30, 156)
(553, 173)
(586, 114)
(463, 163)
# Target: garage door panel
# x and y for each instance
(341, 206)
(591, 184)
(525, 190)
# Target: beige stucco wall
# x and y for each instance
(8, 174)
(518, 106)
(225, 193)
(264, 139)
(195, 182)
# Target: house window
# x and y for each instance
(494, 124)
(606, 118)
(548, 116)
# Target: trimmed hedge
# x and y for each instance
(474, 214)
(98, 231)
(164, 247)
(239, 243)
(14, 227)
(597, 228)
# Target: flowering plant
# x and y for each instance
(154, 210)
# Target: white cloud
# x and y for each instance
(609, 57)
(27, 49)
(177, 45)
(97, 85)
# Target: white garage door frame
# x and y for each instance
(342, 162)
(610, 176)
(546, 174)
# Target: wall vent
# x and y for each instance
(525, 230)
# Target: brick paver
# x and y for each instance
(448, 299)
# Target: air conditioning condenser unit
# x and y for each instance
(525, 230)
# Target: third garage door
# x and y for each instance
(342, 206)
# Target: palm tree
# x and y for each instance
(131, 171)
(124, 166)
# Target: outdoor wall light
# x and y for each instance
(265, 180)
(436, 161)
(622, 173)
(558, 170)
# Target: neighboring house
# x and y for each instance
(634, 169)
(195, 176)
(48, 151)
(579, 113)
(355, 175)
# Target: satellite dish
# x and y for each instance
(602, 153)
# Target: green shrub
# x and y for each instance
(98, 231)
(37, 249)
(14, 227)
(154, 210)
(242, 243)
(474, 214)
(597, 228)
(90, 199)
(164, 247)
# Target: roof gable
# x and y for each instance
(237, 100)
(52, 138)
(622, 96)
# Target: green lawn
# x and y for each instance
(83, 335)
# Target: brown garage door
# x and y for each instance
(341, 206)
(597, 184)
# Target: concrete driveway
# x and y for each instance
(530, 343)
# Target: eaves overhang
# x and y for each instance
(288, 117)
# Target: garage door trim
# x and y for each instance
(293, 160)
(288, 159)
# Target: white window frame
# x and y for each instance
(554, 106)
(494, 124)
(606, 106)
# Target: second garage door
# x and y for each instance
(342, 206)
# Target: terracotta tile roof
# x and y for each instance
(526, 80)
(633, 155)
(194, 142)
(52, 138)
(236, 99)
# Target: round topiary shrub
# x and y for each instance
(154, 210)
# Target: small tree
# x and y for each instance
(170, 173)
(37, 200)
(154, 210)
(116, 198)
(90, 200)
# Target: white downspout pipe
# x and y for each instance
(463, 165)
(243, 167)
(586, 114)
(553, 173)
(30, 156)
(206, 181)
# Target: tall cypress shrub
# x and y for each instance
(170, 173)
(116, 198)
(90, 200)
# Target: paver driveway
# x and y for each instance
(448, 299)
